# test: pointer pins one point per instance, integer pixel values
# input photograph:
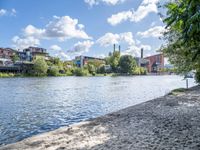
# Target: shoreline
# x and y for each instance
(98, 75)
(168, 122)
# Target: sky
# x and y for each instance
(69, 28)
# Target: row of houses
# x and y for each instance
(16, 61)
(26, 57)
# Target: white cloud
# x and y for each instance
(65, 28)
(60, 28)
(21, 43)
(55, 48)
(11, 12)
(110, 39)
(107, 2)
(146, 7)
(134, 46)
(78, 48)
(62, 55)
(3, 12)
(156, 31)
(81, 47)
(30, 30)
(135, 50)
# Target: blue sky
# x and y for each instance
(68, 28)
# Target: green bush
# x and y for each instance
(81, 72)
(140, 71)
(40, 67)
(53, 71)
(136, 71)
(101, 70)
(143, 71)
(6, 75)
(197, 76)
(127, 64)
(91, 68)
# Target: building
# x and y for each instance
(6, 55)
(155, 63)
(81, 61)
(32, 53)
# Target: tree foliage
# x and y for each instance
(53, 71)
(114, 61)
(127, 64)
(183, 35)
(40, 67)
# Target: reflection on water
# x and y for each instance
(29, 106)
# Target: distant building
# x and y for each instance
(81, 61)
(155, 63)
(32, 53)
(6, 55)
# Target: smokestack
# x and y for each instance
(114, 47)
(142, 51)
(119, 48)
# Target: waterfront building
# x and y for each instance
(6, 55)
(32, 53)
(155, 63)
(81, 61)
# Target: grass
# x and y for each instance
(178, 91)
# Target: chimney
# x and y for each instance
(119, 48)
(142, 51)
(114, 47)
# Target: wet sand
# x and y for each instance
(169, 122)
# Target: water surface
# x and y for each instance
(29, 106)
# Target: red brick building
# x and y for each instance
(156, 63)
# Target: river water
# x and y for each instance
(29, 106)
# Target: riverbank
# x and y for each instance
(169, 122)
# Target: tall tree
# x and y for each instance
(114, 61)
(183, 35)
(127, 64)
(40, 67)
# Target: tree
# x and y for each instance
(15, 58)
(40, 67)
(91, 68)
(80, 72)
(127, 64)
(114, 61)
(57, 62)
(53, 71)
(183, 35)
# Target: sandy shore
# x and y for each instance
(169, 122)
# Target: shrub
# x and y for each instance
(40, 67)
(197, 76)
(53, 71)
(127, 64)
(101, 70)
(6, 75)
(81, 72)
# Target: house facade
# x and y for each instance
(32, 53)
(6, 55)
(155, 63)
